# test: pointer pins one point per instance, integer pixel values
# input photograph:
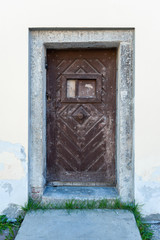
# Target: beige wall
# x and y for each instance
(15, 19)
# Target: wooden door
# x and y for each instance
(81, 116)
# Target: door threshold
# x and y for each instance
(62, 194)
(78, 184)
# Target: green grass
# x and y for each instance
(145, 231)
(11, 226)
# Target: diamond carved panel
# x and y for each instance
(80, 115)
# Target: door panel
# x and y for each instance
(81, 116)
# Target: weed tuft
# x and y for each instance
(11, 226)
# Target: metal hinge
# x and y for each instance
(46, 64)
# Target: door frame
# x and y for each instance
(69, 38)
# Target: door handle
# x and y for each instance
(80, 116)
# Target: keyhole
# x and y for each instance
(48, 96)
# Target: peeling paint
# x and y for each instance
(12, 161)
(8, 187)
(12, 211)
(148, 194)
(14, 191)
(17, 149)
(13, 168)
(156, 174)
(147, 186)
(13, 178)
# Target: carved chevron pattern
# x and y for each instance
(80, 140)
(84, 148)
(84, 151)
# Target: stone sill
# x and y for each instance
(66, 193)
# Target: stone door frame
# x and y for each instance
(42, 39)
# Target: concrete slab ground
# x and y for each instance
(97, 224)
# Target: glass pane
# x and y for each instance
(71, 88)
(87, 88)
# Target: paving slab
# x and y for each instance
(156, 231)
(97, 224)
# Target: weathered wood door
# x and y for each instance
(81, 116)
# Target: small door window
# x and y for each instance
(81, 88)
(87, 88)
(71, 88)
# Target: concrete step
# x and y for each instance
(62, 194)
(88, 224)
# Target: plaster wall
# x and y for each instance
(16, 17)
